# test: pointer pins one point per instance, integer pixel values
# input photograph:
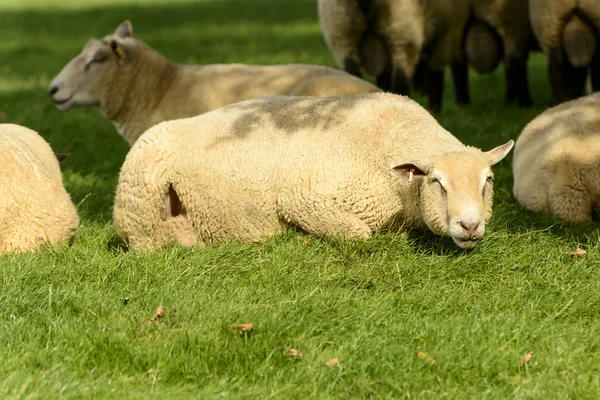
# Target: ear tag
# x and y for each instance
(410, 175)
(120, 53)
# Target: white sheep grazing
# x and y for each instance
(568, 32)
(556, 164)
(507, 23)
(136, 87)
(390, 38)
(348, 165)
(35, 209)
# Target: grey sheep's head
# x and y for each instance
(83, 80)
(456, 191)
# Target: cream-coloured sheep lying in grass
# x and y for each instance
(556, 164)
(348, 165)
(388, 38)
(35, 209)
(136, 87)
(505, 22)
(568, 32)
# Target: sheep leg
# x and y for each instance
(567, 82)
(352, 66)
(570, 204)
(517, 81)
(435, 89)
(420, 77)
(400, 83)
(595, 69)
(384, 80)
(555, 74)
(510, 91)
(460, 78)
(334, 223)
(321, 217)
(576, 80)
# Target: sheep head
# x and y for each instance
(456, 191)
(82, 81)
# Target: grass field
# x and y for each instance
(66, 332)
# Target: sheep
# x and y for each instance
(136, 87)
(332, 166)
(389, 38)
(556, 164)
(501, 28)
(568, 31)
(35, 209)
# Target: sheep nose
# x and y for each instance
(53, 89)
(469, 226)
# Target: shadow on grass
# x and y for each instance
(529, 222)
(116, 245)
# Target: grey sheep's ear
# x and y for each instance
(124, 30)
(410, 172)
(61, 156)
(496, 155)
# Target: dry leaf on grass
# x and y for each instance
(526, 358)
(159, 313)
(293, 353)
(243, 328)
(578, 253)
(305, 241)
(333, 362)
(3, 115)
(425, 357)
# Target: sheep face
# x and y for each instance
(456, 191)
(83, 80)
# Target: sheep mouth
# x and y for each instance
(465, 244)
(62, 104)
(59, 101)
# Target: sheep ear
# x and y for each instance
(496, 155)
(124, 30)
(119, 50)
(410, 172)
(61, 156)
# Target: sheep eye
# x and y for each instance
(434, 180)
(488, 181)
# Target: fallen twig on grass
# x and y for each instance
(158, 314)
(243, 328)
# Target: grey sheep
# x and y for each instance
(136, 87)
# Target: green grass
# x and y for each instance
(65, 331)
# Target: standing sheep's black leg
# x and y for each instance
(516, 72)
(509, 97)
(352, 66)
(576, 80)
(555, 74)
(595, 69)
(567, 82)
(435, 89)
(384, 80)
(420, 77)
(460, 77)
(400, 82)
